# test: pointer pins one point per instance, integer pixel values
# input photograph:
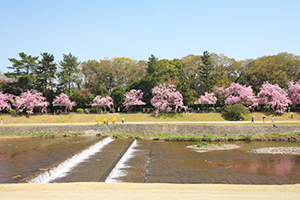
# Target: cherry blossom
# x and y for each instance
(63, 100)
(5, 101)
(294, 92)
(166, 99)
(207, 98)
(102, 102)
(273, 96)
(237, 93)
(30, 100)
(134, 97)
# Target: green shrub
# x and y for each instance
(79, 110)
(12, 112)
(112, 110)
(211, 109)
(151, 110)
(93, 110)
(202, 144)
(266, 108)
(59, 111)
(236, 111)
(191, 109)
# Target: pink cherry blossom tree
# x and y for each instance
(166, 99)
(63, 100)
(5, 101)
(273, 96)
(294, 92)
(207, 98)
(237, 93)
(102, 102)
(134, 97)
(220, 94)
(30, 100)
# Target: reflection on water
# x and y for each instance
(150, 162)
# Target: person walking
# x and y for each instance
(252, 119)
(292, 115)
(264, 118)
(272, 119)
(122, 119)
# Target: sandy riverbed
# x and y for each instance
(133, 191)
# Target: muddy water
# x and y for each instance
(150, 162)
(172, 162)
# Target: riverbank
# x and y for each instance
(75, 118)
(111, 191)
(285, 137)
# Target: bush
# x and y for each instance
(191, 109)
(12, 112)
(151, 110)
(87, 111)
(79, 110)
(59, 111)
(266, 108)
(236, 111)
(218, 109)
(211, 109)
(112, 110)
(93, 110)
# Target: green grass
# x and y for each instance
(179, 118)
(43, 134)
(210, 138)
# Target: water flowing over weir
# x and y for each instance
(66, 166)
(117, 172)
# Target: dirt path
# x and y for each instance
(267, 123)
(132, 191)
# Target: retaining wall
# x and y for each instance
(155, 129)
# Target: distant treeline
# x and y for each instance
(193, 75)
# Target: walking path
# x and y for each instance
(267, 123)
(145, 191)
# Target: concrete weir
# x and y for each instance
(98, 167)
(66, 166)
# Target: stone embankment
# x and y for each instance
(149, 129)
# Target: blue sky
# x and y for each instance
(136, 29)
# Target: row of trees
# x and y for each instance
(167, 99)
(270, 95)
(192, 75)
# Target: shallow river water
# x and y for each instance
(143, 161)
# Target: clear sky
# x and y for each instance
(136, 29)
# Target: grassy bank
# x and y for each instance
(140, 117)
(291, 137)
(40, 135)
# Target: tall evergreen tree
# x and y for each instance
(23, 73)
(45, 74)
(68, 76)
(206, 74)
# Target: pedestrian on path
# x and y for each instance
(272, 119)
(264, 118)
(252, 119)
(292, 115)
(122, 119)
